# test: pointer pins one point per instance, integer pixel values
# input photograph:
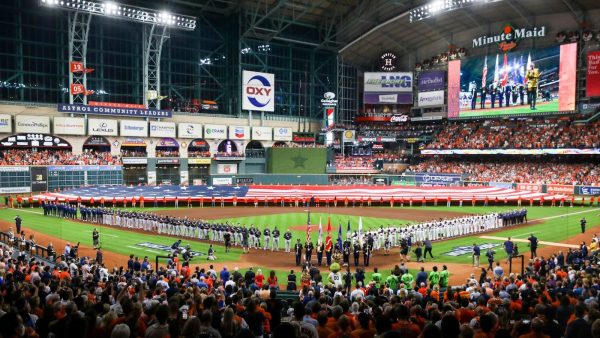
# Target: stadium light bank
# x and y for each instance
(126, 12)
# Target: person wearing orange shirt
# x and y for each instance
(392, 202)
(189, 201)
(133, 202)
(473, 200)
(423, 201)
(19, 201)
(141, 201)
(235, 201)
(30, 201)
(364, 329)
(346, 201)
(343, 325)
(369, 201)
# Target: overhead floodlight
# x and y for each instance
(132, 13)
(441, 6)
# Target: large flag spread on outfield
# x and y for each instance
(308, 228)
(484, 73)
(360, 226)
(339, 239)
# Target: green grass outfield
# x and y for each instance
(562, 223)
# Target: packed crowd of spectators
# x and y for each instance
(397, 130)
(198, 153)
(133, 153)
(528, 134)
(229, 154)
(363, 162)
(59, 157)
(166, 153)
(532, 170)
(557, 296)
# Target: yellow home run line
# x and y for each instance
(564, 245)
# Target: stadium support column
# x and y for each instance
(79, 24)
(154, 37)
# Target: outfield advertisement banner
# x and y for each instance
(588, 190)
(162, 129)
(560, 189)
(432, 80)
(429, 179)
(384, 88)
(532, 187)
(501, 185)
(39, 179)
(69, 125)
(134, 128)
(103, 127)
(189, 130)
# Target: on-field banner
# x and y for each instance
(588, 190)
(262, 133)
(103, 127)
(592, 81)
(503, 185)
(162, 129)
(282, 134)
(532, 187)
(134, 128)
(258, 91)
(560, 189)
(429, 99)
(384, 88)
(5, 124)
(116, 111)
(39, 179)
(432, 80)
(32, 124)
(214, 132)
(227, 168)
(437, 179)
(189, 130)
(239, 132)
(69, 126)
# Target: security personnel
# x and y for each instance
(583, 222)
(18, 222)
(288, 239)
(298, 250)
(366, 253)
(320, 249)
(356, 250)
(533, 243)
(275, 235)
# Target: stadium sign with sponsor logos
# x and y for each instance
(32, 124)
(560, 189)
(389, 139)
(532, 187)
(329, 100)
(103, 127)
(432, 80)
(162, 129)
(189, 130)
(509, 37)
(399, 118)
(34, 140)
(134, 128)
(282, 134)
(115, 111)
(69, 125)
(588, 190)
(382, 88)
(388, 62)
(468, 249)
(213, 132)
(430, 179)
(258, 91)
(5, 124)
(429, 99)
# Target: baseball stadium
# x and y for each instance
(294, 168)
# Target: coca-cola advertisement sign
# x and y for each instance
(399, 118)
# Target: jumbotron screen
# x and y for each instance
(520, 82)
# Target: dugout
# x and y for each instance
(199, 161)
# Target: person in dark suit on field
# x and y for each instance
(482, 98)
(18, 222)
(473, 96)
(533, 244)
(298, 251)
(493, 94)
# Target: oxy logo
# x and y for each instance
(258, 91)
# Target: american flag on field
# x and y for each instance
(484, 74)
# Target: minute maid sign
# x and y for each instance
(509, 37)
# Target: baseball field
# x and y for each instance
(556, 228)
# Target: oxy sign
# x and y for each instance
(258, 91)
